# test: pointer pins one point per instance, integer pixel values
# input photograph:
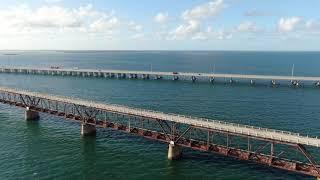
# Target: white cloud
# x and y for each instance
(193, 18)
(313, 25)
(55, 19)
(193, 31)
(203, 11)
(161, 17)
(104, 25)
(200, 36)
(186, 30)
(224, 35)
(221, 34)
(135, 27)
(289, 24)
(298, 28)
(88, 12)
(248, 27)
(53, 1)
(52, 17)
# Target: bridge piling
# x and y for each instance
(174, 151)
(171, 129)
(31, 115)
(296, 81)
(88, 130)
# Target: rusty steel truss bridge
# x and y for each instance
(268, 147)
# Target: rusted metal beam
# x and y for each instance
(178, 134)
(24, 102)
(163, 129)
(308, 156)
(186, 131)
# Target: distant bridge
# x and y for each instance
(239, 141)
(193, 76)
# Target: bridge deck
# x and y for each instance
(187, 74)
(256, 132)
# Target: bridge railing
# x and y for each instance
(201, 121)
(151, 113)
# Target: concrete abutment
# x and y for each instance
(31, 115)
(88, 130)
(174, 151)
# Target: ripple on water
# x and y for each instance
(53, 148)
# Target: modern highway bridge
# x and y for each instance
(242, 142)
(193, 76)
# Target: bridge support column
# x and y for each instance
(31, 115)
(174, 151)
(88, 130)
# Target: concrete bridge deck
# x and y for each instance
(191, 75)
(257, 132)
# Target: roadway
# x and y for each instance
(161, 73)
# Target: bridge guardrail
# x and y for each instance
(204, 122)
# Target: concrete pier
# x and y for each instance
(88, 130)
(174, 151)
(179, 126)
(122, 74)
(31, 115)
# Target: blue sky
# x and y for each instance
(160, 25)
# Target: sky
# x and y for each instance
(255, 25)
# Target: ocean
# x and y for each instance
(53, 148)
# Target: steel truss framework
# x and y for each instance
(197, 138)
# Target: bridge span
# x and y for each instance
(193, 76)
(235, 140)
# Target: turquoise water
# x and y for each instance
(53, 149)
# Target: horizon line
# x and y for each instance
(136, 50)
